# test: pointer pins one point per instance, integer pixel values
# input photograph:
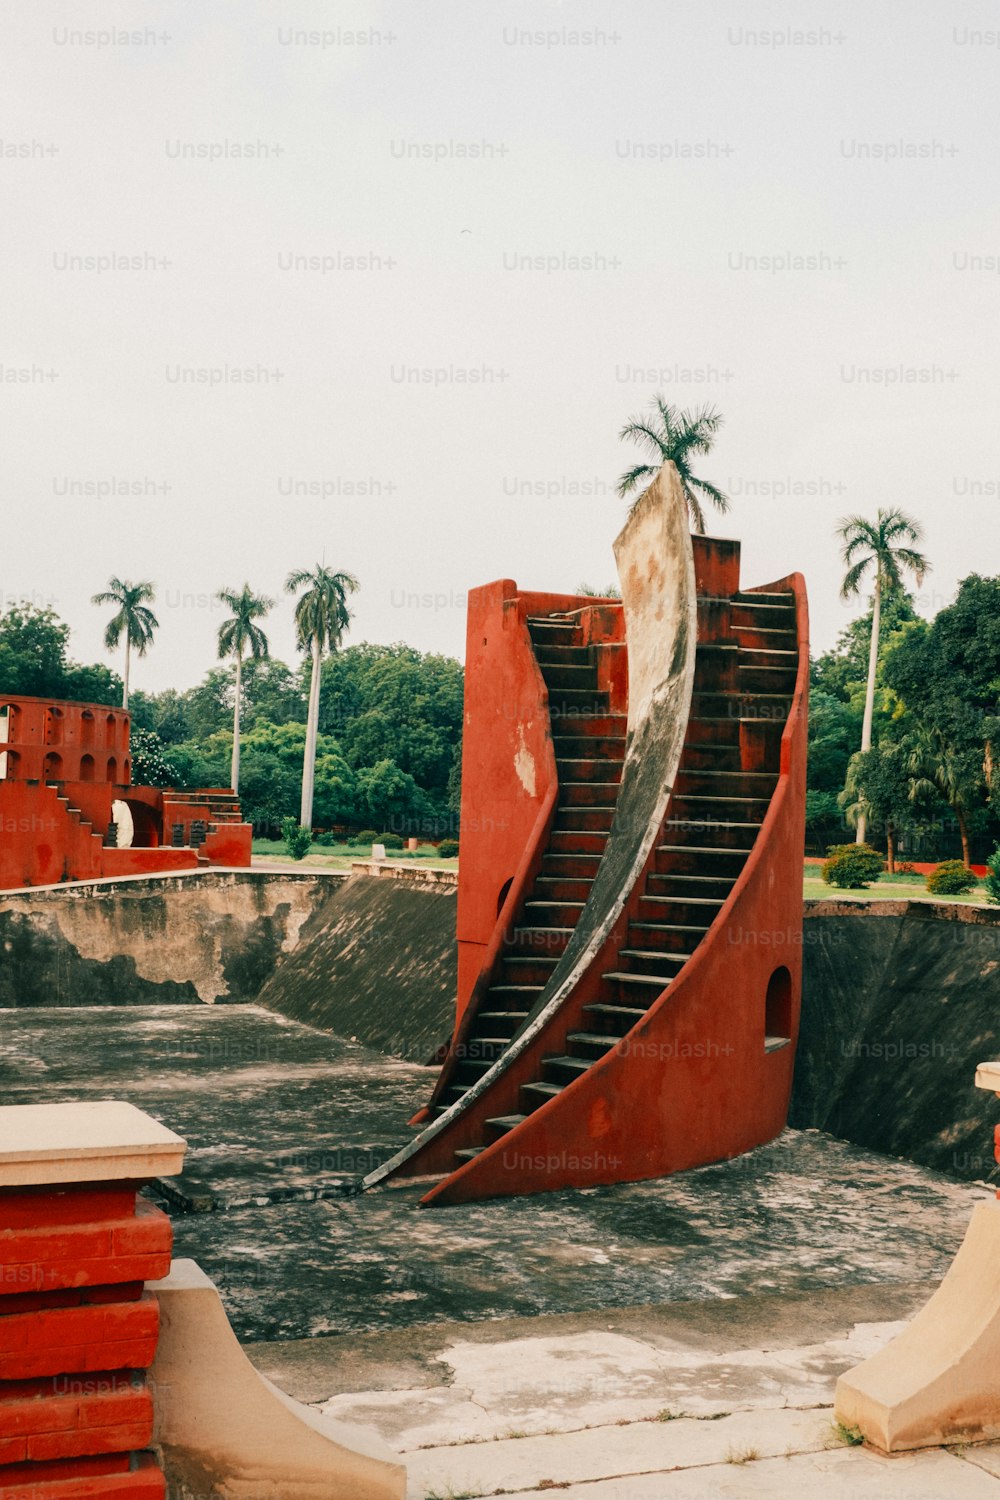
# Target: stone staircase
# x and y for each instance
(637, 1016)
(713, 821)
(589, 744)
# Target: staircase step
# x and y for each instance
(588, 768)
(541, 1091)
(591, 1041)
(727, 836)
(688, 912)
(600, 747)
(496, 1020)
(648, 981)
(640, 956)
(551, 654)
(697, 931)
(503, 1124)
(542, 628)
(585, 794)
(562, 679)
(585, 722)
(685, 888)
(560, 913)
(718, 781)
(558, 888)
(541, 941)
(624, 1016)
(581, 819)
(577, 841)
(523, 970)
(469, 1153)
(566, 704)
(570, 866)
(775, 1043)
(565, 1068)
(708, 810)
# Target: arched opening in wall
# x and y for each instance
(112, 774)
(126, 772)
(53, 726)
(6, 727)
(778, 1010)
(147, 825)
(10, 763)
(504, 893)
(86, 768)
(88, 729)
(110, 735)
(52, 767)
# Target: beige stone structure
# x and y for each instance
(939, 1381)
(226, 1431)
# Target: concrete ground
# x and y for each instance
(690, 1399)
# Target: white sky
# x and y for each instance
(780, 172)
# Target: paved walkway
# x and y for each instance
(729, 1398)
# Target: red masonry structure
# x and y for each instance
(630, 896)
(77, 1329)
(69, 811)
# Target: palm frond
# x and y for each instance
(629, 480)
(852, 578)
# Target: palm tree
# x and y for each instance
(238, 634)
(887, 547)
(676, 435)
(321, 617)
(133, 619)
(937, 766)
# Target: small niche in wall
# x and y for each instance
(778, 1010)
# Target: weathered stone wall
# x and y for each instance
(901, 1001)
(376, 963)
(208, 936)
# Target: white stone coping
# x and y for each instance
(988, 1076)
(103, 1141)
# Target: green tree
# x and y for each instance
(885, 548)
(321, 617)
(132, 618)
(881, 788)
(238, 635)
(937, 765)
(388, 796)
(675, 435)
(33, 659)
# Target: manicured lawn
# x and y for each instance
(886, 888)
(342, 856)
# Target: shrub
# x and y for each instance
(950, 878)
(326, 839)
(390, 840)
(992, 881)
(448, 848)
(297, 839)
(851, 867)
(366, 836)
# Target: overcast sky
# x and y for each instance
(789, 211)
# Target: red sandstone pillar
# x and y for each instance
(77, 1329)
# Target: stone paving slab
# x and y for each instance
(611, 1452)
(536, 1386)
(846, 1474)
